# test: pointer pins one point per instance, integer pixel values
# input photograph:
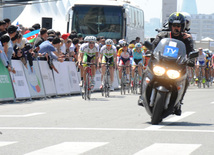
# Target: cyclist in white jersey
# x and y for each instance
(108, 54)
(89, 53)
(200, 61)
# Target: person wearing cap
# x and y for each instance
(65, 39)
(79, 36)
(48, 50)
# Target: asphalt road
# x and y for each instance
(106, 126)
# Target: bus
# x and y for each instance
(108, 18)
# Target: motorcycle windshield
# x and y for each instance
(170, 49)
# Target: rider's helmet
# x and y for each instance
(109, 42)
(124, 44)
(92, 39)
(138, 45)
(86, 38)
(177, 18)
(131, 45)
(188, 20)
(210, 53)
(120, 42)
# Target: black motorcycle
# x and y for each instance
(164, 79)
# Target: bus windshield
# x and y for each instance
(98, 21)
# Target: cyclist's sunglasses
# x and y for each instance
(108, 45)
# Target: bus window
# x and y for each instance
(98, 21)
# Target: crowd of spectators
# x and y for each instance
(50, 45)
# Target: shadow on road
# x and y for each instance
(185, 124)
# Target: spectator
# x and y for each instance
(79, 36)
(58, 34)
(51, 31)
(65, 39)
(43, 37)
(36, 26)
(137, 40)
(8, 23)
(48, 51)
(4, 40)
(2, 28)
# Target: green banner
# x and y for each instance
(6, 88)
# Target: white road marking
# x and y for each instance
(104, 129)
(6, 143)
(168, 149)
(68, 148)
(20, 116)
(169, 121)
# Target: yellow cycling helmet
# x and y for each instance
(131, 45)
(144, 48)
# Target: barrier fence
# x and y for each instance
(39, 81)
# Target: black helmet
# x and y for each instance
(177, 18)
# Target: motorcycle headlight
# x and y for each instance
(173, 74)
(159, 71)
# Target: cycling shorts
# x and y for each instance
(87, 58)
(137, 62)
(124, 61)
(109, 60)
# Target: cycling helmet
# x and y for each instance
(124, 44)
(188, 20)
(138, 45)
(121, 41)
(177, 18)
(86, 38)
(131, 45)
(109, 42)
(92, 39)
(210, 53)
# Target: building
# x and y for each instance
(202, 25)
(189, 6)
(168, 7)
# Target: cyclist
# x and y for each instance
(89, 53)
(200, 61)
(138, 59)
(108, 54)
(123, 59)
(208, 64)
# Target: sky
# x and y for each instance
(152, 8)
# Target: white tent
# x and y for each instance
(207, 39)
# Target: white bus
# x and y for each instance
(109, 18)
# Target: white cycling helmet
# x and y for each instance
(121, 41)
(188, 20)
(109, 42)
(92, 39)
(138, 45)
(86, 38)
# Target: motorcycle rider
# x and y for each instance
(177, 25)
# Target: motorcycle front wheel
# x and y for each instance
(158, 108)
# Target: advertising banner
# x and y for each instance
(34, 80)
(97, 79)
(116, 83)
(19, 81)
(74, 79)
(6, 88)
(47, 77)
(63, 85)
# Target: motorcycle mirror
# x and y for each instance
(148, 45)
(193, 54)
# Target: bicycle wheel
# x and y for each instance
(107, 84)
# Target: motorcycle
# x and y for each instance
(164, 80)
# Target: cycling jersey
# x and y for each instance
(201, 59)
(137, 57)
(108, 53)
(84, 48)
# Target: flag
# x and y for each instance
(31, 36)
(17, 24)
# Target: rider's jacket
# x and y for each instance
(84, 48)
